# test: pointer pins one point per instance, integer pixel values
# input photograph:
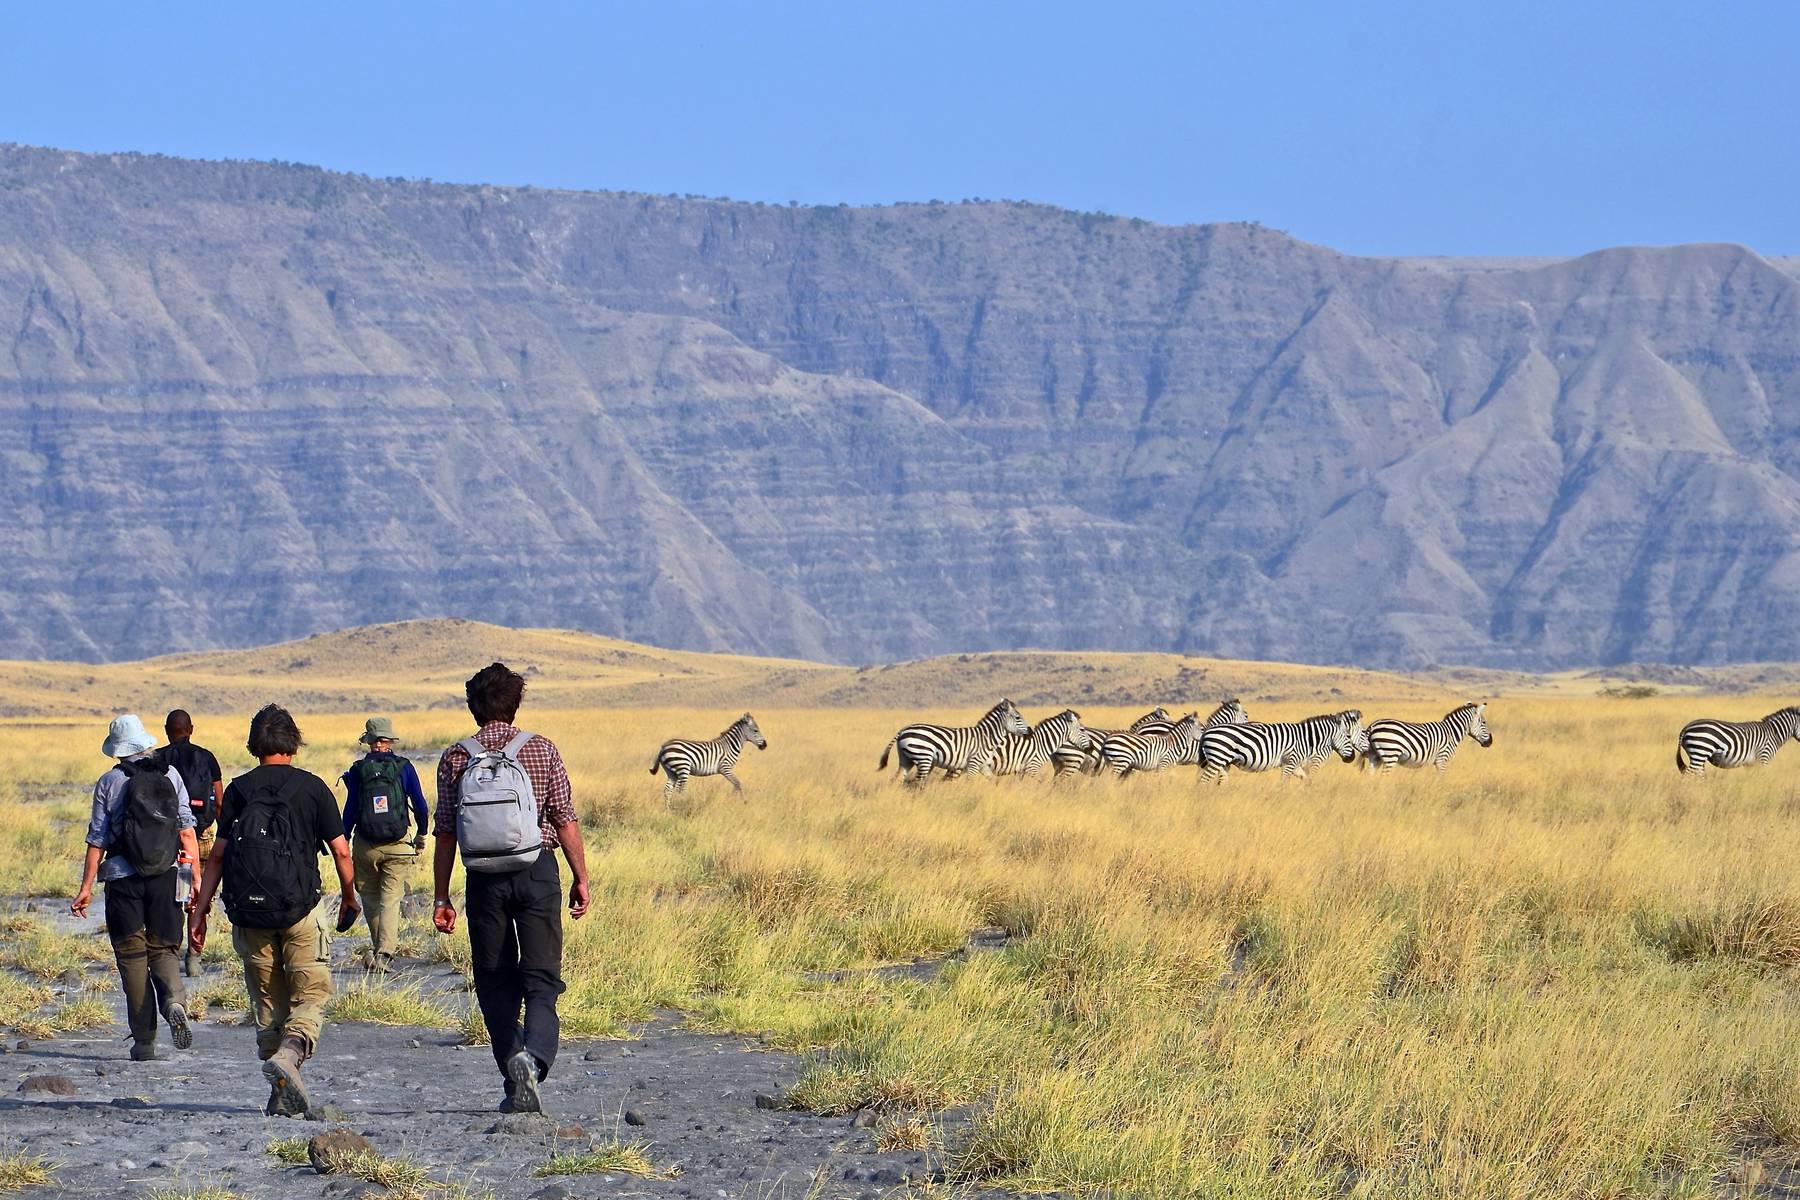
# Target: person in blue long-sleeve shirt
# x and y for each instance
(380, 788)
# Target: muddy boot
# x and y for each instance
(287, 1094)
(143, 1052)
(383, 962)
(179, 1031)
(522, 1083)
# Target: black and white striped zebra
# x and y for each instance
(1415, 743)
(1297, 747)
(1030, 754)
(1229, 713)
(1709, 743)
(1127, 753)
(1069, 760)
(680, 758)
(924, 748)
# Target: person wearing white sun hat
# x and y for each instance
(140, 828)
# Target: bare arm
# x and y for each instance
(90, 870)
(346, 871)
(209, 883)
(569, 834)
(443, 913)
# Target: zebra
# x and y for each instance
(955, 748)
(1069, 760)
(1229, 713)
(1144, 751)
(680, 758)
(1707, 742)
(1415, 743)
(1028, 755)
(1295, 746)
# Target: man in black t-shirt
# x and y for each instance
(205, 783)
(286, 956)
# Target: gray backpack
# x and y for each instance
(497, 813)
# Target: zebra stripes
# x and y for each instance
(955, 748)
(1088, 761)
(1297, 747)
(1126, 753)
(1415, 743)
(680, 758)
(1229, 713)
(1029, 755)
(1707, 742)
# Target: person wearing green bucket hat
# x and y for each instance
(380, 790)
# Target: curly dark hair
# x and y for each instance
(494, 693)
(272, 731)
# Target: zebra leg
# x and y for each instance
(735, 785)
(676, 781)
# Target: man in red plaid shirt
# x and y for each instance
(515, 917)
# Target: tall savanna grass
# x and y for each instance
(1558, 970)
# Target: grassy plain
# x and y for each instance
(1560, 970)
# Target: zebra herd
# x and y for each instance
(1003, 744)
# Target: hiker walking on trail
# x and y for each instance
(381, 789)
(205, 784)
(275, 821)
(141, 827)
(504, 801)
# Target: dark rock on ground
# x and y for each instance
(325, 1150)
(47, 1085)
(636, 1117)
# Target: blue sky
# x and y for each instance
(1378, 127)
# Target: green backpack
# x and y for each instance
(381, 810)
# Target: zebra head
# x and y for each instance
(1065, 729)
(1010, 719)
(747, 725)
(1348, 737)
(1229, 713)
(1478, 726)
(1155, 716)
(1186, 734)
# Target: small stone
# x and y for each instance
(125, 1164)
(47, 1085)
(189, 1149)
(327, 1112)
(132, 1102)
(554, 1191)
(159, 1164)
(638, 1085)
(627, 1051)
(73, 979)
(635, 1117)
(521, 1125)
(764, 1100)
(321, 1148)
(21, 1044)
(79, 1139)
(414, 1044)
(862, 1118)
(887, 1175)
(594, 1056)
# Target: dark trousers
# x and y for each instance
(146, 927)
(515, 936)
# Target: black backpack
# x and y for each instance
(147, 833)
(381, 809)
(272, 868)
(189, 762)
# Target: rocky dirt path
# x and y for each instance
(195, 1118)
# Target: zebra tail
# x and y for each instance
(656, 762)
(882, 765)
(1682, 763)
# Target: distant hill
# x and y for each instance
(246, 402)
(421, 665)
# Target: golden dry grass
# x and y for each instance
(1560, 970)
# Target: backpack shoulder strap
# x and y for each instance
(512, 748)
(473, 748)
(291, 788)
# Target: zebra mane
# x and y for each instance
(741, 723)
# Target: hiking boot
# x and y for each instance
(522, 1076)
(287, 1094)
(143, 1052)
(190, 965)
(179, 1031)
(383, 962)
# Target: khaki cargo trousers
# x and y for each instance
(288, 975)
(381, 871)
